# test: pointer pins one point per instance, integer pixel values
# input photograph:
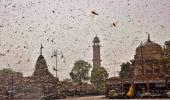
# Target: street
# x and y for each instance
(102, 97)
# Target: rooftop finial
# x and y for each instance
(149, 38)
(41, 49)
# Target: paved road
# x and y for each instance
(94, 98)
(103, 98)
(87, 98)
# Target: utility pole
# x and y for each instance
(41, 49)
(55, 68)
(55, 54)
(141, 48)
(12, 90)
(166, 82)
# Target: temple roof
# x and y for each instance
(149, 49)
(149, 43)
(41, 68)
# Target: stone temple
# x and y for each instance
(41, 69)
(147, 61)
(149, 70)
(150, 73)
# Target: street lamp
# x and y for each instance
(166, 80)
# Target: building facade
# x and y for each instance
(150, 72)
(149, 69)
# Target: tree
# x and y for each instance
(67, 80)
(98, 76)
(7, 71)
(80, 71)
(166, 56)
(126, 71)
(167, 44)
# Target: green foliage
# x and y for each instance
(166, 58)
(80, 71)
(6, 71)
(67, 80)
(98, 76)
(126, 71)
(167, 44)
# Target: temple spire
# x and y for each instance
(41, 49)
(149, 38)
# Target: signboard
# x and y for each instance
(113, 82)
(160, 85)
(156, 81)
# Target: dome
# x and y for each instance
(96, 39)
(149, 49)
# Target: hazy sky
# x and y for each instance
(69, 26)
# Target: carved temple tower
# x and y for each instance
(41, 68)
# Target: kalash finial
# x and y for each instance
(41, 49)
(149, 38)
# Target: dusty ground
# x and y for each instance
(93, 98)
(87, 98)
(103, 98)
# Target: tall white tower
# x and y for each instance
(96, 53)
